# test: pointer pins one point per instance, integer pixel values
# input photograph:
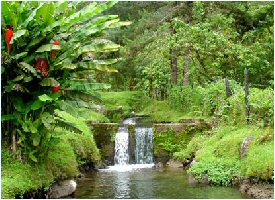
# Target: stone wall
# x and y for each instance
(104, 134)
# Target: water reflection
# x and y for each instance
(122, 185)
(148, 184)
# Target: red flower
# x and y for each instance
(9, 35)
(56, 42)
(38, 64)
(56, 88)
(45, 68)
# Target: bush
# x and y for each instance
(211, 101)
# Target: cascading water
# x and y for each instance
(143, 146)
(122, 143)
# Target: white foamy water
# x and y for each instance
(121, 148)
(124, 168)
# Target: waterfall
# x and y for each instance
(121, 147)
(143, 145)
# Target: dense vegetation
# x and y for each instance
(68, 63)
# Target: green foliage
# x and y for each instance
(19, 178)
(211, 101)
(119, 105)
(84, 147)
(41, 33)
(192, 147)
(218, 154)
(170, 141)
(62, 161)
(259, 161)
(161, 111)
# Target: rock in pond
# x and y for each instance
(62, 189)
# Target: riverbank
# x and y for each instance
(230, 155)
(24, 180)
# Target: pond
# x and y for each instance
(148, 183)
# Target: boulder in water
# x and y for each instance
(62, 189)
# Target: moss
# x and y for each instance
(18, 177)
(62, 162)
(168, 142)
(218, 154)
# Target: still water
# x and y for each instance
(148, 184)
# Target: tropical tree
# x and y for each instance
(49, 62)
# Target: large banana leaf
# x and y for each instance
(82, 96)
(28, 68)
(47, 47)
(49, 82)
(77, 122)
(32, 15)
(107, 47)
(19, 34)
(84, 86)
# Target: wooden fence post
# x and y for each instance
(246, 83)
(227, 88)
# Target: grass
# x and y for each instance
(128, 100)
(218, 155)
(160, 111)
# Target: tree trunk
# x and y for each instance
(246, 83)
(186, 68)
(174, 67)
(14, 140)
(151, 92)
(174, 61)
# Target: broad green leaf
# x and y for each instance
(19, 34)
(26, 67)
(32, 157)
(105, 62)
(37, 104)
(7, 117)
(77, 122)
(36, 140)
(119, 24)
(28, 79)
(18, 78)
(55, 96)
(108, 47)
(47, 47)
(31, 16)
(47, 120)
(106, 68)
(49, 82)
(80, 95)
(44, 97)
(20, 55)
(84, 86)
(18, 103)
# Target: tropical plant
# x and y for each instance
(49, 60)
